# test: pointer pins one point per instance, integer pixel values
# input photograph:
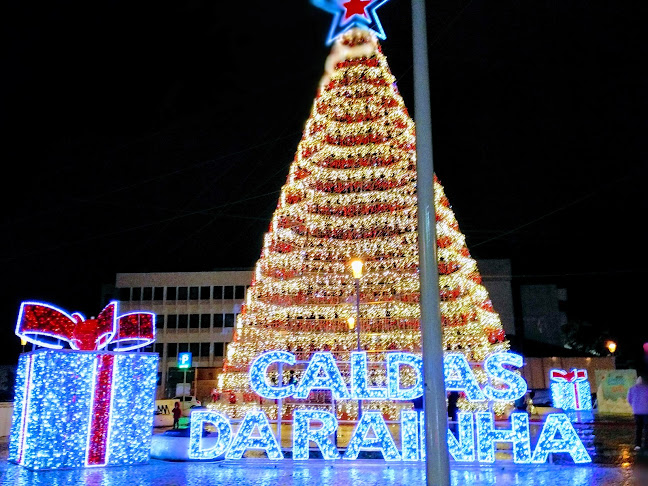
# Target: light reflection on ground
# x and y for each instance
(260, 472)
(613, 443)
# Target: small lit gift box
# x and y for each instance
(570, 390)
(91, 405)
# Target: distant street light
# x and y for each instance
(611, 346)
(351, 320)
(356, 268)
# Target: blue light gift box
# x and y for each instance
(83, 407)
(570, 390)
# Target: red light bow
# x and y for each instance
(46, 325)
(571, 376)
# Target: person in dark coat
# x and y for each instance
(177, 413)
(418, 404)
(453, 409)
(638, 400)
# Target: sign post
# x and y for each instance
(184, 363)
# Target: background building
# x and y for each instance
(543, 312)
(196, 312)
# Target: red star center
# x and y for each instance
(354, 7)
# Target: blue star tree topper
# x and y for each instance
(352, 13)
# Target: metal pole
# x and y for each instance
(437, 464)
(357, 285)
(279, 402)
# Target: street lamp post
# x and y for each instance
(356, 268)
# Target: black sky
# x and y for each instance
(156, 136)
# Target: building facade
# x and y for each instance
(196, 312)
(543, 312)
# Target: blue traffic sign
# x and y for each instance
(184, 360)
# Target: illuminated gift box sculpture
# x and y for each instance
(84, 406)
(570, 390)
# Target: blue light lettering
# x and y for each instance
(516, 386)
(244, 440)
(359, 375)
(394, 361)
(382, 440)
(258, 375)
(459, 377)
(303, 434)
(322, 374)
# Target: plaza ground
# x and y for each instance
(614, 463)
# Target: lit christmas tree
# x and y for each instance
(351, 194)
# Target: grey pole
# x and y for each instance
(437, 464)
(357, 286)
(279, 403)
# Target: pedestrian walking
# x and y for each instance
(453, 409)
(177, 413)
(638, 400)
(521, 404)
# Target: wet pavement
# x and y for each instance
(610, 441)
(261, 472)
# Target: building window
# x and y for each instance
(228, 292)
(218, 350)
(171, 293)
(183, 321)
(239, 292)
(205, 321)
(218, 320)
(229, 320)
(148, 293)
(193, 293)
(159, 348)
(205, 293)
(159, 321)
(218, 292)
(194, 349)
(204, 350)
(158, 293)
(194, 321)
(172, 350)
(183, 347)
(137, 294)
(172, 321)
(124, 294)
(182, 293)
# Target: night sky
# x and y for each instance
(156, 136)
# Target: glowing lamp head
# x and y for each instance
(351, 321)
(356, 267)
(23, 342)
(611, 346)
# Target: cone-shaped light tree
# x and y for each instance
(351, 194)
